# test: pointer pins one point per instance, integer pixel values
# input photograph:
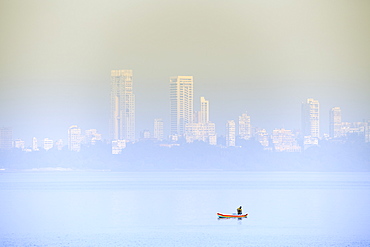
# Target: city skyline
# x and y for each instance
(261, 57)
(181, 101)
(187, 123)
(310, 125)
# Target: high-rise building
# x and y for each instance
(122, 121)
(196, 117)
(59, 144)
(35, 147)
(6, 138)
(91, 136)
(335, 127)
(230, 133)
(19, 144)
(310, 118)
(158, 129)
(284, 140)
(204, 110)
(181, 99)
(262, 137)
(117, 146)
(205, 132)
(358, 128)
(145, 135)
(245, 127)
(48, 144)
(74, 138)
(367, 130)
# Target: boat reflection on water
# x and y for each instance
(229, 218)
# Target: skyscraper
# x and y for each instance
(59, 144)
(74, 138)
(122, 121)
(204, 110)
(245, 126)
(310, 118)
(19, 144)
(230, 133)
(48, 144)
(367, 130)
(181, 99)
(158, 129)
(34, 144)
(6, 138)
(335, 127)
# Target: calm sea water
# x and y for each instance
(179, 209)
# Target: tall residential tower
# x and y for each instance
(158, 129)
(181, 98)
(230, 133)
(204, 110)
(335, 122)
(122, 121)
(74, 138)
(245, 127)
(310, 118)
(6, 138)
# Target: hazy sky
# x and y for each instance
(264, 57)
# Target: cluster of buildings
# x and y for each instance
(191, 125)
(292, 140)
(75, 139)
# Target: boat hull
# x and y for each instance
(232, 215)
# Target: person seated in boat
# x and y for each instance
(239, 210)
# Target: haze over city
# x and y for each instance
(184, 123)
(261, 57)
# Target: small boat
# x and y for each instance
(232, 215)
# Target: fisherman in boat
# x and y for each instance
(239, 210)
